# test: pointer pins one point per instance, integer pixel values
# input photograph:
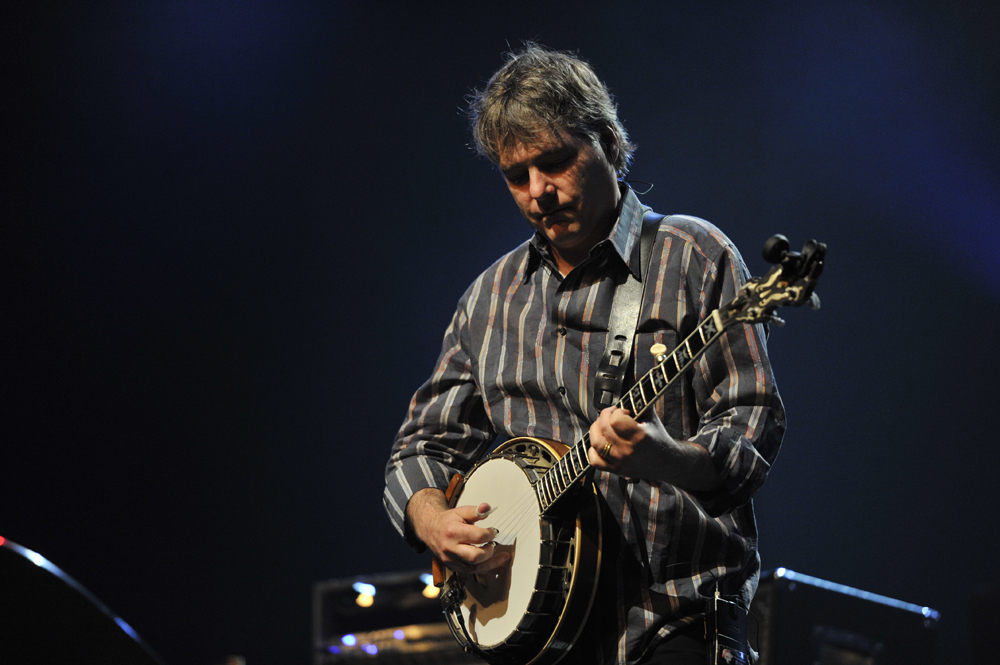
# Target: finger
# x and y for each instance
(472, 514)
(623, 425)
(461, 534)
(607, 434)
(495, 561)
(595, 454)
(607, 452)
(483, 536)
(598, 440)
(613, 411)
(471, 555)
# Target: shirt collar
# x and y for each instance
(623, 239)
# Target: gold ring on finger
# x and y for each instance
(607, 449)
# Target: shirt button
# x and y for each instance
(562, 391)
(561, 330)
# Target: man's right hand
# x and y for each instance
(451, 533)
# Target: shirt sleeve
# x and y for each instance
(445, 430)
(742, 419)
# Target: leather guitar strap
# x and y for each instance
(624, 319)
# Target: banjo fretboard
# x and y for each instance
(573, 466)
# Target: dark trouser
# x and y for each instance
(685, 647)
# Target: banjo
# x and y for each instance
(547, 512)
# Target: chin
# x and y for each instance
(566, 240)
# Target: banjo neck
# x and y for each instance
(574, 466)
(789, 283)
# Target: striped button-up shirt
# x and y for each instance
(519, 359)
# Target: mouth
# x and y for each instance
(557, 216)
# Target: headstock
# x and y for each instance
(790, 283)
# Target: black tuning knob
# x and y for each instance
(810, 249)
(776, 248)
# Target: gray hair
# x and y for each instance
(538, 90)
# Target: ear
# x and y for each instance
(609, 143)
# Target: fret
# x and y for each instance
(681, 357)
(700, 340)
(574, 458)
(546, 492)
(708, 328)
(659, 378)
(636, 394)
(647, 386)
(669, 370)
(562, 480)
(552, 487)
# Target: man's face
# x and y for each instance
(566, 187)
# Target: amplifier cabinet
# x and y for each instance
(803, 620)
(392, 618)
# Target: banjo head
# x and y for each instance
(546, 588)
(496, 601)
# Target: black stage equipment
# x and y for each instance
(395, 616)
(803, 619)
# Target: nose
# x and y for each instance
(540, 187)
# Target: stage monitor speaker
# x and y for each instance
(396, 616)
(984, 618)
(48, 617)
(806, 620)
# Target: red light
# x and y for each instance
(2, 541)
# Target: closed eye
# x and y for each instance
(558, 164)
(517, 178)
(551, 163)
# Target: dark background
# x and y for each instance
(233, 234)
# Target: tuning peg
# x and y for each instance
(658, 351)
(776, 248)
(776, 321)
(813, 302)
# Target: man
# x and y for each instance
(520, 356)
